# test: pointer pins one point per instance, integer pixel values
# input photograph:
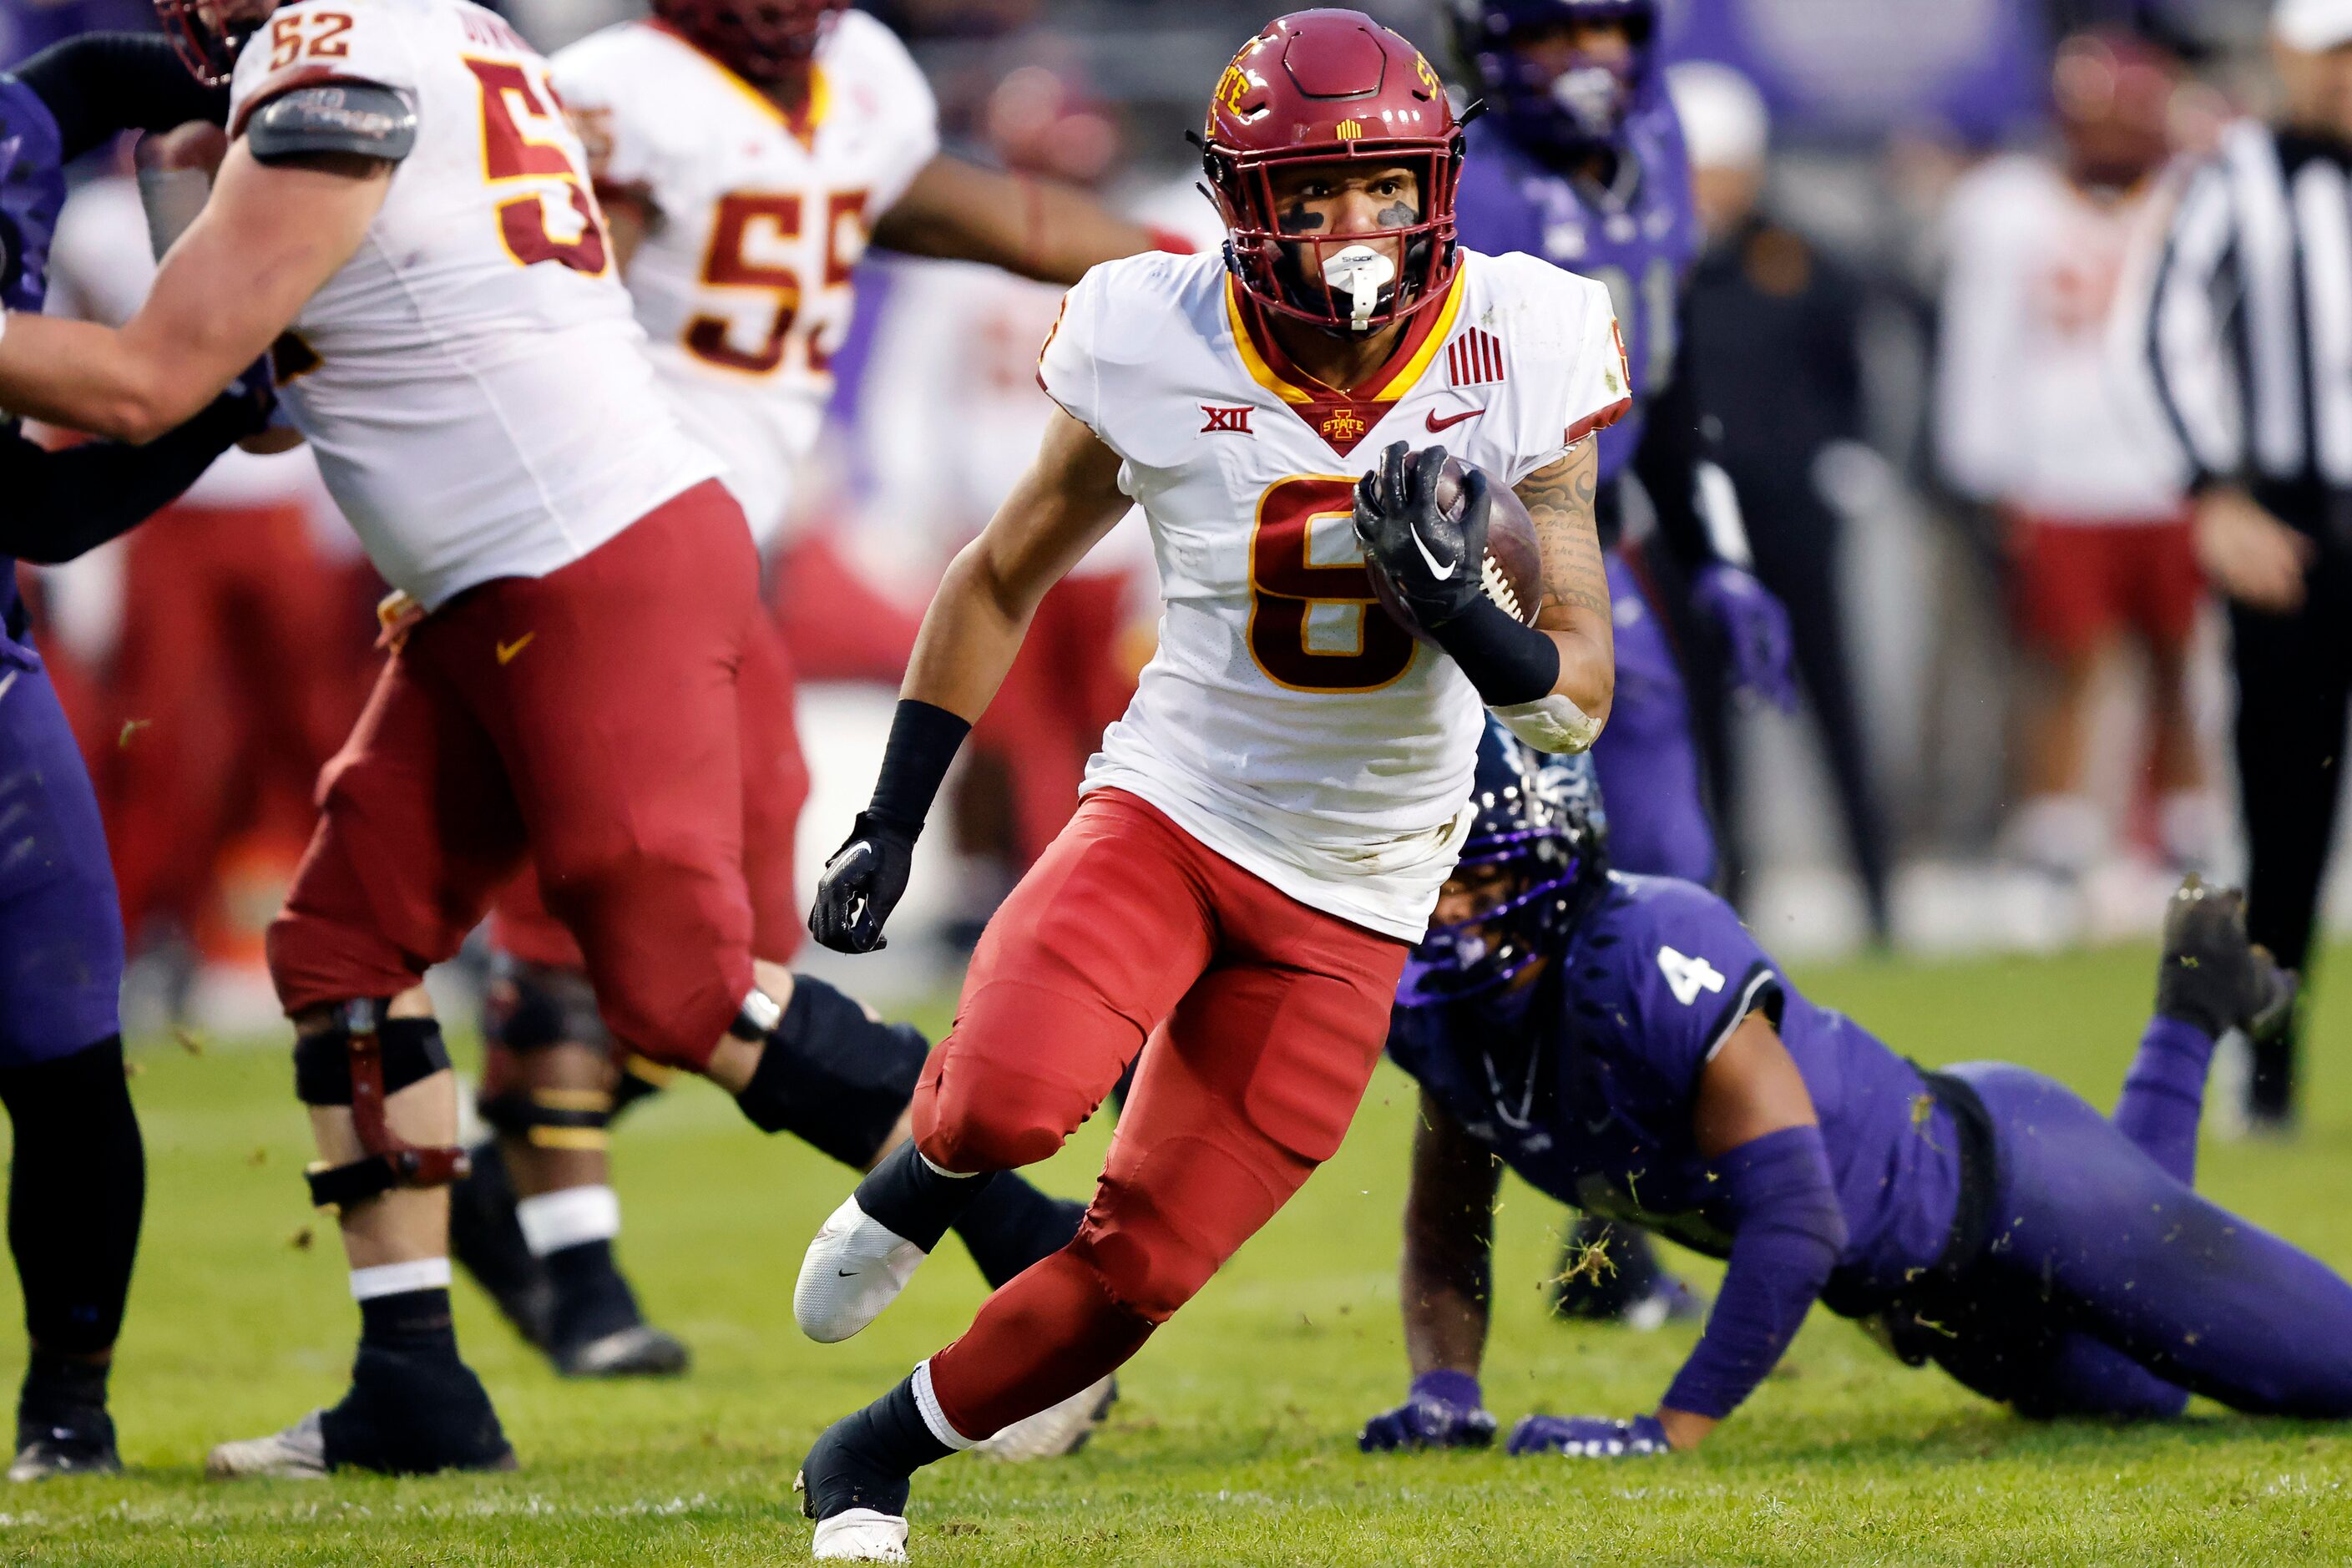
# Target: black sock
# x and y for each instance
(414, 1406)
(77, 1182)
(412, 1322)
(1012, 1225)
(486, 1241)
(592, 1299)
(914, 1200)
(865, 1459)
(62, 1394)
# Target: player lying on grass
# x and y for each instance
(78, 1181)
(1623, 1044)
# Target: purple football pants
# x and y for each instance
(1645, 759)
(2110, 1288)
(60, 926)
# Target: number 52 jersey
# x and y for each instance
(1286, 721)
(472, 379)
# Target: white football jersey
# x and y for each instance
(2038, 405)
(1286, 721)
(472, 380)
(743, 281)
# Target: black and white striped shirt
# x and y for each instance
(2250, 318)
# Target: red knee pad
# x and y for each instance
(1151, 1261)
(1023, 1068)
(966, 1123)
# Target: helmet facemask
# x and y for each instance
(208, 35)
(1357, 281)
(1562, 102)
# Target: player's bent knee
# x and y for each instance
(1026, 1067)
(1148, 1273)
(360, 1060)
(411, 1050)
(997, 1125)
(834, 1074)
(536, 1008)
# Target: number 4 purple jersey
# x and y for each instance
(1639, 238)
(1588, 1093)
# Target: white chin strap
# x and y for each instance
(1360, 273)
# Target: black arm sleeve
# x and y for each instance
(1674, 440)
(60, 505)
(102, 84)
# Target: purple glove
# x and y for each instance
(1441, 1410)
(1755, 627)
(1587, 1436)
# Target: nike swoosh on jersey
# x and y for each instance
(507, 650)
(1450, 420)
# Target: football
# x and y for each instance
(1513, 570)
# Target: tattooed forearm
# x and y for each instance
(1560, 499)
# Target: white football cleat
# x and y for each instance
(297, 1454)
(1057, 1429)
(860, 1535)
(855, 1268)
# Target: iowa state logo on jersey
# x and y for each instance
(1343, 427)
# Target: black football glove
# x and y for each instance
(862, 884)
(1436, 561)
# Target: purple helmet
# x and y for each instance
(1541, 818)
(1560, 101)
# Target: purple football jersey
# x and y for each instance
(1588, 1095)
(1639, 238)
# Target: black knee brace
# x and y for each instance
(532, 1007)
(363, 1058)
(552, 1118)
(835, 1074)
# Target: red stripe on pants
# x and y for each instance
(1265, 1019)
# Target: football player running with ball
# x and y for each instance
(1263, 835)
(1983, 1217)
(742, 152)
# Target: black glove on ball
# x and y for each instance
(1437, 562)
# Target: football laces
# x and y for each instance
(1499, 587)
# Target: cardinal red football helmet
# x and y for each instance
(1314, 87)
(759, 40)
(207, 34)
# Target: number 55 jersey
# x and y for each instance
(742, 280)
(1286, 721)
(472, 380)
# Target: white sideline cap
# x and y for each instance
(2314, 27)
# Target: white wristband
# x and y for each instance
(1552, 723)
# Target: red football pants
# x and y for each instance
(588, 721)
(1265, 1019)
(1066, 685)
(775, 787)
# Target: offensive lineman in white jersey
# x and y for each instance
(405, 214)
(1266, 830)
(741, 151)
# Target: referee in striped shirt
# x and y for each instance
(2251, 335)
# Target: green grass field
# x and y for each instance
(1234, 1440)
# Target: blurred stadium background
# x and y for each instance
(212, 659)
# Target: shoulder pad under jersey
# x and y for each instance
(355, 117)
